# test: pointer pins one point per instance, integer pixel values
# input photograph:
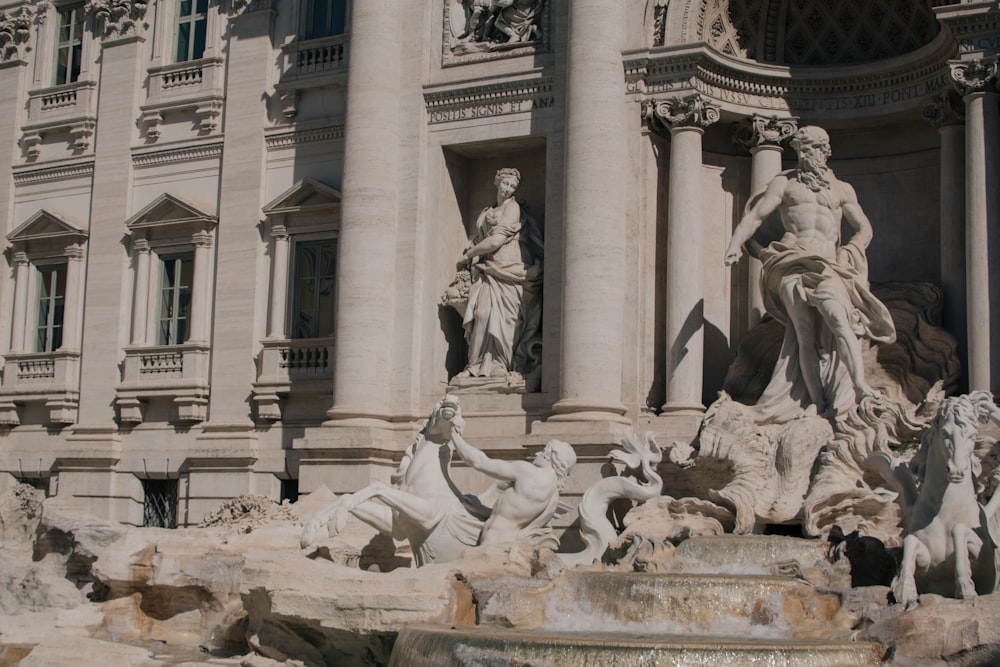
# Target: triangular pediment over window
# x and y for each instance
(47, 226)
(168, 210)
(306, 196)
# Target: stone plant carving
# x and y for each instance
(950, 547)
(816, 286)
(15, 31)
(595, 528)
(120, 17)
(493, 23)
(498, 292)
(424, 507)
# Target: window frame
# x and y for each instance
(77, 11)
(306, 22)
(299, 242)
(194, 20)
(178, 259)
(39, 270)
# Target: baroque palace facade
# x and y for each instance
(230, 224)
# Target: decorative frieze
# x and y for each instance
(758, 131)
(283, 140)
(692, 111)
(484, 101)
(32, 176)
(119, 18)
(181, 154)
(15, 31)
(974, 76)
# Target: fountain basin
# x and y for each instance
(432, 646)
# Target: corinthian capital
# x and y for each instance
(119, 18)
(15, 30)
(945, 109)
(677, 113)
(974, 76)
(761, 131)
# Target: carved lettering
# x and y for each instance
(489, 110)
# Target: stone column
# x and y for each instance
(947, 114)
(72, 306)
(686, 120)
(18, 24)
(238, 320)
(200, 296)
(367, 242)
(593, 253)
(140, 297)
(976, 81)
(105, 329)
(279, 283)
(21, 268)
(763, 137)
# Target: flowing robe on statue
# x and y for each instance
(495, 299)
(518, 19)
(845, 281)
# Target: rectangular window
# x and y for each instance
(159, 503)
(69, 43)
(315, 270)
(324, 18)
(192, 23)
(175, 299)
(51, 304)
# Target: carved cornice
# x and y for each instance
(15, 31)
(174, 155)
(489, 100)
(283, 140)
(746, 87)
(944, 110)
(53, 173)
(762, 131)
(678, 113)
(974, 76)
(119, 18)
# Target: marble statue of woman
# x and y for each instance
(503, 312)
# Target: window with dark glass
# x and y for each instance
(315, 269)
(192, 23)
(323, 18)
(159, 503)
(69, 43)
(51, 303)
(175, 299)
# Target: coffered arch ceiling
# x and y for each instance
(816, 32)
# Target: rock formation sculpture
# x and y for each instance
(950, 543)
(498, 290)
(815, 285)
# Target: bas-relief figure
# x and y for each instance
(498, 291)
(950, 543)
(423, 506)
(492, 23)
(814, 284)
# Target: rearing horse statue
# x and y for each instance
(422, 505)
(950, 543)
